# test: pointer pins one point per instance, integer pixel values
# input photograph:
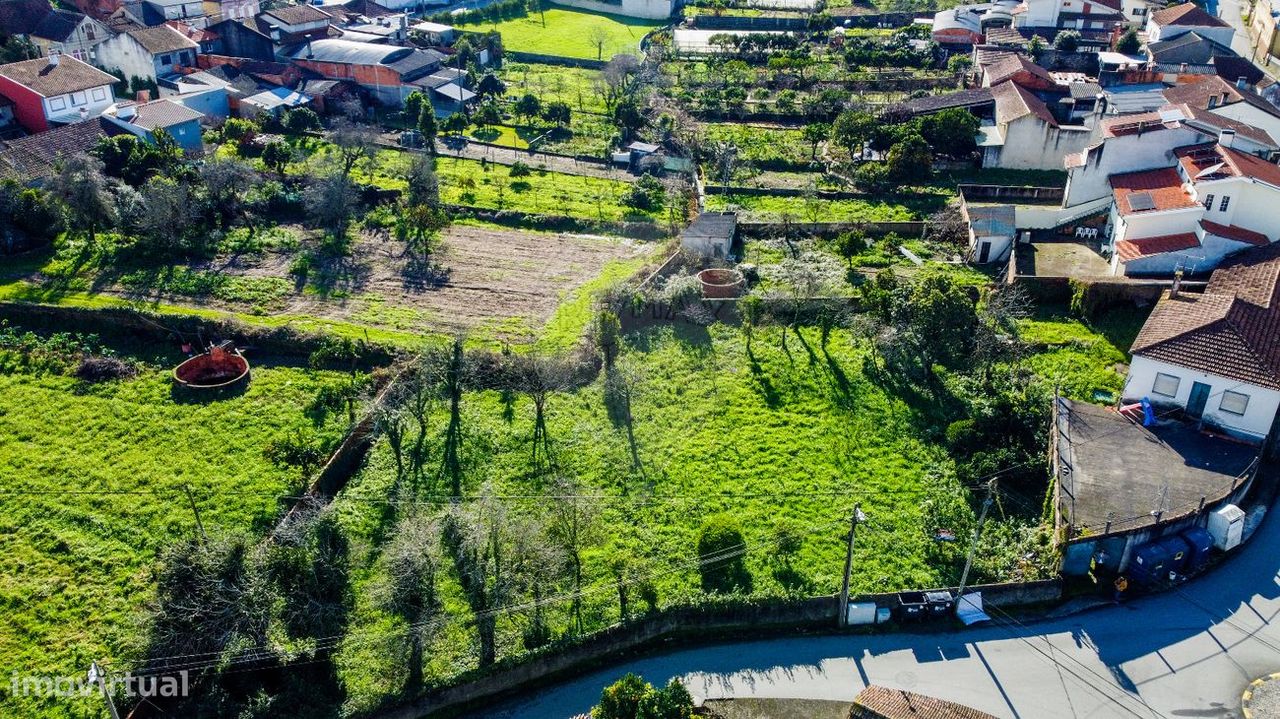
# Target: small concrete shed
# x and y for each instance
(710, 234)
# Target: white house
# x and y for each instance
(1215, 202)
(1128, 143)
(1188, 17)
(646, 9)
(1025, 135)
(1215, 355)
(55, 91)
(148, 53)
(1069, 14)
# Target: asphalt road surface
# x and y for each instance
(1186, 653)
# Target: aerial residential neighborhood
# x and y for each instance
(639, 359)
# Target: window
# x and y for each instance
(1223, 206)
(1166, 385)
(88, 33)
(1234, 402)
(57, 103)
(99, 94)
(1208, 201)
(77, 98)
(166, 59)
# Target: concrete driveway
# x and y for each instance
(1186, 653)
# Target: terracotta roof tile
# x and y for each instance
(48, 80)
(1231, 329)
(877, 702)
(1150, 191)
(1013, 101)
(1210, 160)
(34, 156)
(1011, 65)
(298, 14)
(1187, 14)
(161, 38)
(1235, 232)
(1148, 246)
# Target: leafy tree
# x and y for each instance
(82, 188)
(628, 115)
(1067, 41)
(423, 185)
(959, 64)
(26, 214)
(1129, 43)
(300, 120)
(621, 700)
(722, 553)
(239, 131)
(598, 36)
(276, 155)
(168, 217)
(134, 160)
(528, 106)
(418, 227)
(951, 132)
(488, 115)
(491, 86)
(15, 48)
(455, 124)
(851, 129)
(814, 133)
(228, 184)
(910, 161)
(851, 244)
(872, 177)
(1036, 46)
(413, 103)
(428, 126)
(557, 112)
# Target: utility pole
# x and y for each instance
(977, 532)
(196, 511)
(842, 618)
(96, 676)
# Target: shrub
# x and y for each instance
(104, 369)
(722, 551)
(520, 169)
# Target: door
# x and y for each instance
(984, 254)
(1199, 396)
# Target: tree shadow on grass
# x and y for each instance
(338, 275)
(768, 392)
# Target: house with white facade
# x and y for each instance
(1216, 201)
(69, 33)
(55, 91)
(1233, 100)
(1176, 20)
(1215, 355)
(148, 53)
(1025, 135)
(1126, 144)
(1082, 15)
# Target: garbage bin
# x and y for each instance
(940, 603)
(912, 606)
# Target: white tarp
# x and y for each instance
(969, 609)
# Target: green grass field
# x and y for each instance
(466, 182)
(773, 437)
(93, 478)
(571, 33)
(771, 208)
(574, 86)
(768, 148)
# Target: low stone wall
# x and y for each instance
(736, 619)
(1012, 193)
(829, 229)
(556, 60)
(749, 24)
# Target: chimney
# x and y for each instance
(84, 114)
(143, 96)
(1242, 82)
(1226, 137)
(1177, 284)
(54, 58)
(310, 55)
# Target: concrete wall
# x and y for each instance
(1154, 224)
(1127, 153)
(1252, 205)
(1221, 35)
(647, 9)
(124, 54)
(1256, 422)
(1033, 144)
(212, 103)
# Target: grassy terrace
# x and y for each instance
(569, 33)
(772, 208)
(710, 420)
(93, 478)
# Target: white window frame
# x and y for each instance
(99, 94)
(78, 98)
(1224, 203)
(1165, 376)
(1229, 396)
(57, 104)
(1208, 201)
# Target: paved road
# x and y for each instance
(1187, 653)
(1230, 12)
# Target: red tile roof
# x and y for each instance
(1235, 232)
(1215, 161)
(1012, 64)
(1134, 124)
(1149, 246)
(877, 702)
(1217, 122)
(1164, 187)
(1231, 329)
(1012, 102)
(1199, 92)
(1187, 14)
(49, 80)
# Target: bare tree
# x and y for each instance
(539, 377)
(81, 186)
(476, 538)
(573, 525)
(330, 202)
(409, 565)
(598, 35)
(356, 142)
(227, 183)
